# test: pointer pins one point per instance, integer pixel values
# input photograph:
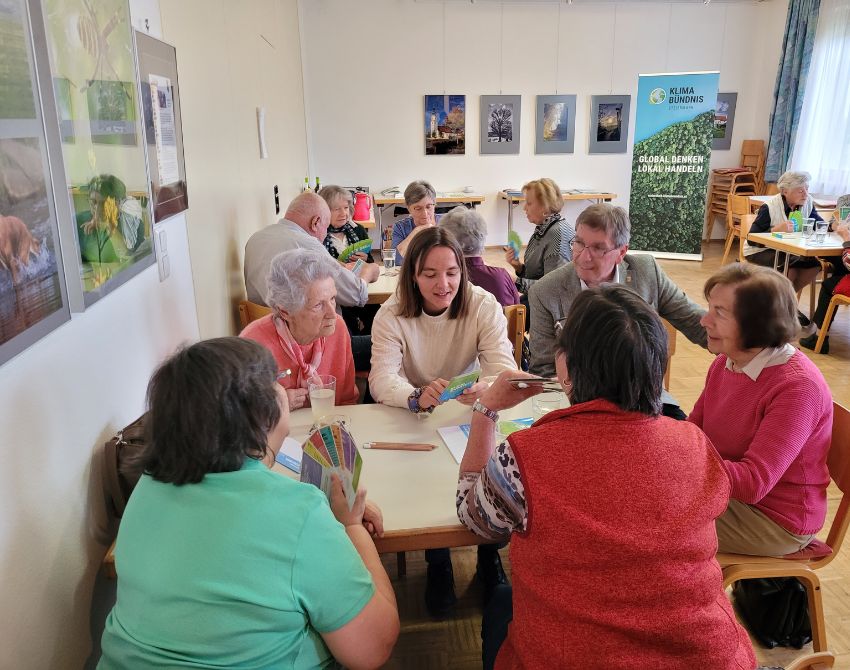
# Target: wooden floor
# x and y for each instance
(455, 643)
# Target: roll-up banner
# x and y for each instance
(674, 127)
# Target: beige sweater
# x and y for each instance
(409, 353)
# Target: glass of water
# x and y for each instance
(808, 228)
(389, 258)
(547, 402)
(820, 232)
(322, 390)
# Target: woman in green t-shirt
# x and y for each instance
(222, 562)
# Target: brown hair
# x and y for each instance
(614, 221)
(765, 304)
(410, 300)
(616, 348)
(547, 192)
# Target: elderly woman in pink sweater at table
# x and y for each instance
(768, 411)
(304, 332)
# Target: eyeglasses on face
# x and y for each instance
(597, 252)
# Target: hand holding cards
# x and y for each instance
(458, 385)
(361, 247)
(330, 450)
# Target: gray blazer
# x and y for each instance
(550, 299)
(282, 236)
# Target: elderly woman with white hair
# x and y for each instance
(773, 217)
(470, 230)
(304, 332)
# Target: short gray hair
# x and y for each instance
(612, 220)
(468, 227)
(417, 190)
(291, 273)
(332, 192)
(791, 180)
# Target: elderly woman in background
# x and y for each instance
(223, 563)
(773, 217)
(560, 493)
(420, 198)
(470, 230)
(549, 246)
(767, 410)
(435, 327)
(304, 332)
(342, 231)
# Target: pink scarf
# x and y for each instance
(304, 371)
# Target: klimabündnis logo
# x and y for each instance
(657, 96)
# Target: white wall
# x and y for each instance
(367, 66)
(59, 400)
(233, 57)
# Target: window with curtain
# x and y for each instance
(822, 145)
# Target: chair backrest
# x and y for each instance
(671, 349)
(515, 315)
(744, 226)
(770, 188)
(838, 462)
(250, 311)
(739, 205)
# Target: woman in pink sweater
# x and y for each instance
(768, 412)
(609, 508)
(304, 333)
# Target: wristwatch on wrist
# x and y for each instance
(486, 411)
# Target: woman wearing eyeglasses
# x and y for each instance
(609, 508)
(421, 201)
(304, 332)
(549, 246)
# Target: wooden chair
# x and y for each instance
(800, 565)
(752, 157)
(835, 303)
(744, 226)
(821, 661)
(671, 349)
(250, 311)
(770, 188)
(739, 205)
(516, 330)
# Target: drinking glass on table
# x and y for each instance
(322, 390)
(547, 402)
(389, 258)
(808, 228)
(820, 232)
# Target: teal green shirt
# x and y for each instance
(242, 570)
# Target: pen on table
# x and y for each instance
(400, 446)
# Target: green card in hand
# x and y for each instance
(458, 385)
(361, 247)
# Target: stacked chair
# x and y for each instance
(745, 180)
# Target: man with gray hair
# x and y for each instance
(304, 226)
(600, 256)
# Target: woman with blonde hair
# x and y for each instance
(549, 246)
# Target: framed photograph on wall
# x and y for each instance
(33, 297)
(724, 119)
(163, 126)
(500, 124)
(105, 168)
(555, 124)
(445, 125)
(609, 124)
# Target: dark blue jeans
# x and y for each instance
(444, 555)
(498, 613)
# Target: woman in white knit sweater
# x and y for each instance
(435, 327)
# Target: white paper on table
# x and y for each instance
(455, 438)
(290, 455)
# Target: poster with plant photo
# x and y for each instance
(91, 48)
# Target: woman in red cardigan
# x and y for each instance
(610, 509)
(304, 332)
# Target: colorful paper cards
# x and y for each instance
(330, 450)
